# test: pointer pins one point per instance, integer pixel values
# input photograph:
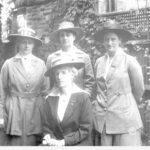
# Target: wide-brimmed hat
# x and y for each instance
(60, 60)
(112, 26)
(67, 26)
(25, 32)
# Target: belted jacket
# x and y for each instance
(22, 94)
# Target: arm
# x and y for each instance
(3, 88)
(45, 82)
(136, 78)
(85, 123)
(88, 76)
(48, 65)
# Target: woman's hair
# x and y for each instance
(68, 31)
(70, 69)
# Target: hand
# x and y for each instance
(1, 123)
(54, 142)
(46, 139)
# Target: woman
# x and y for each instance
(67, 117)
(66, 36)
(120, 87)
(22, 91)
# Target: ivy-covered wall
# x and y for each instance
(45, 18)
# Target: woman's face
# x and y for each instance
(66, 38)
(64, 76)
(26, 45)
(111, 42)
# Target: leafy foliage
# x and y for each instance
(82, 13)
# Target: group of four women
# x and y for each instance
(54, 101)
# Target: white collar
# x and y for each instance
(29, 56)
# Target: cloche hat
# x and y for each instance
(65, 60)
(112, 26)
(67, 26)
(25, 32)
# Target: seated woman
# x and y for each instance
(67, 113)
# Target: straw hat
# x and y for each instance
(67, 26)
(112, 26)
(65, 60)
(25, 33)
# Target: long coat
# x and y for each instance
(21, 95)
(85, 78)
(75, 128)
(118, 94)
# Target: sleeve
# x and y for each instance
(85, 124)
(4, 88)
(45, 83)
(48, 65)
(88, 76)
(136, 78)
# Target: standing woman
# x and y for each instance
(67, 117)
(119, 88)
(23, 88)
(66, 36)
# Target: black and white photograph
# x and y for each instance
(75, 73)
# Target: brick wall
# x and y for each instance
(40, 18)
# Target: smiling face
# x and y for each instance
(25, 45)
(67, 38)
(111, 42)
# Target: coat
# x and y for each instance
(22, 94)
(75, 128)
(85, 78)
(118, 94)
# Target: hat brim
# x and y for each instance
(77, 65)
(123, 34)
(78, 31)
(14, 37)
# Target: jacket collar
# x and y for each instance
(56, 92)
(19, 57)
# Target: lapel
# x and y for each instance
(54, 107)
(100, 68)
(70, 107)
(19, 66)
(115, 63)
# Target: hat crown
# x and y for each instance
(66, 59)
(112, 24)
(25, 31)
(66, 25)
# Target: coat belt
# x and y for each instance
(25, 94)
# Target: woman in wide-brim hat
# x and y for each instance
(112, 26)
(23, 88)
(25, 33)
(67, 117)
(120, 87)
(67, 26)
(66, 35)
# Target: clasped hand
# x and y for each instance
(47, 140)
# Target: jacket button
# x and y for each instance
(27, 85)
